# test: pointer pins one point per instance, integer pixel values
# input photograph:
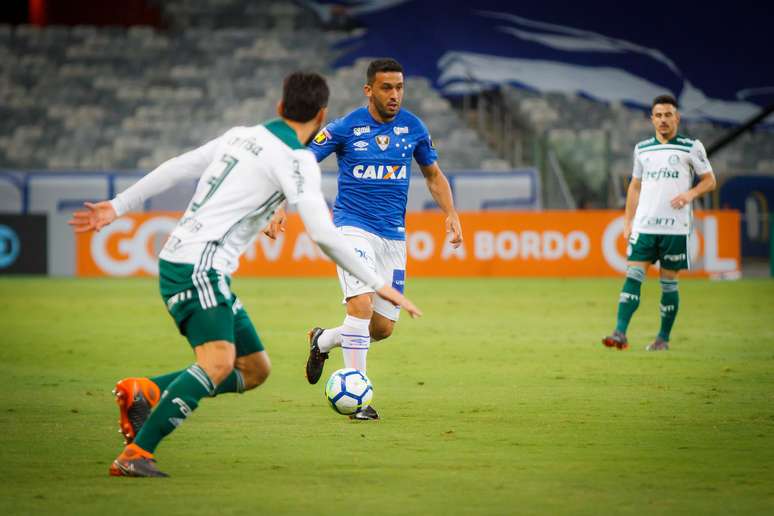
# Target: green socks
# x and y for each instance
(180, 399)
(670, 301)
(233, 382)
(629, 299)
(163, 381)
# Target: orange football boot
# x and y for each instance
(135, 462)
(135, 397)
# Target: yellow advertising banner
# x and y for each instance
(498, 244)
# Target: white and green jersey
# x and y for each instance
(243, 176)
(666, 170)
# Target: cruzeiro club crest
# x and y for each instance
(383, 141)
(674, 159)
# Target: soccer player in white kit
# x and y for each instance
(244, 175)
(658, 217)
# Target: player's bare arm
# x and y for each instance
(439, 188)
(632, 200)
(706, 184)
(398, 299)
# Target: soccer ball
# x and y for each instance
(348, 391)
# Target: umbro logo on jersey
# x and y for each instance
(360, 145)
(383, 141)
(357, 131)
(380, 172)
(400, 130)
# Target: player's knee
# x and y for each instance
(668, 274)
(360, 306)
(217, 359)
(218, 369)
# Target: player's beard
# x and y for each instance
(383, 113)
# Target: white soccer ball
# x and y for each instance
(348, 391)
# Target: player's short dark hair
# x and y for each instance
(303, 96)
(382, 65)
(665, 99)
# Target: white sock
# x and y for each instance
(355, 341)
(329, 339)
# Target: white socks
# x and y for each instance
(354, 339)
(329, 339)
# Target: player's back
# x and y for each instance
(374, 161)
(237, 194)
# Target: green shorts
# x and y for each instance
(205, 309)
(671, 251)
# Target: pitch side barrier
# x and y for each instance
(497, 242)
(53, 196)
(505, 243)
(52, 193)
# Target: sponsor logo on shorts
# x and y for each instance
(675, 257)
(175, 299)
(399, 280)
(357, 131)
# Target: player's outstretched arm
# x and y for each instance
(317, 220)
(439, 188)
(398, 299)
(93, 218)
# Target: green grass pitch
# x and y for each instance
(501, 400)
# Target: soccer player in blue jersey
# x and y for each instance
(375, 145)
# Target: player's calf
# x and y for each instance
(254, 368)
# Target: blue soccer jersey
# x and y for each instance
(374, 168)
